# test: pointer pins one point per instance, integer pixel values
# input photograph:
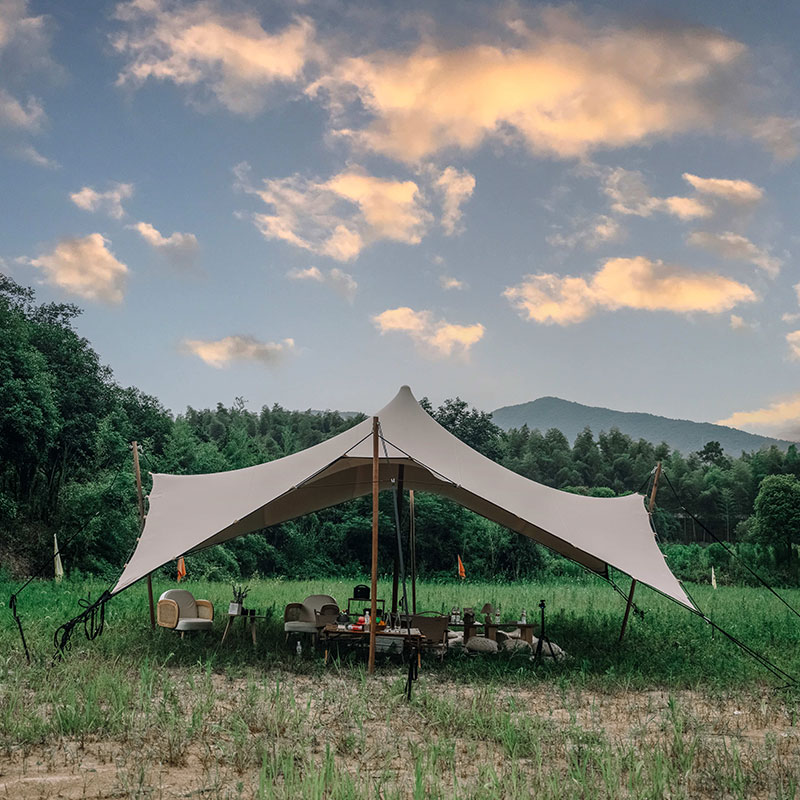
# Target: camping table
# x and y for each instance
(333, 633)
(526, 630)
(249, 619)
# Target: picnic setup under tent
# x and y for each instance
(401, 443)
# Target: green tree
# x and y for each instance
(777, 513)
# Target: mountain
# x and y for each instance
(680, 434)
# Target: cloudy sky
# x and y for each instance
(313, 203)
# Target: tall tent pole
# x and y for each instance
(374, 586)
(138, 473)
(650, 506)
(399, 540)
(412, 546)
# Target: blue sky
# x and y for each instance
(313, 203)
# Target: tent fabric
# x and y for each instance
(191, 512)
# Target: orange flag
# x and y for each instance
(461, 572)
(181, 569)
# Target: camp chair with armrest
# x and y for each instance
(302, 617)
(434, 629)
(179, 611)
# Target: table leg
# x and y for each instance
(227, 628)
(491, 632)
(527, 635)
(253, 631)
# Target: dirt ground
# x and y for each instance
(374, 744)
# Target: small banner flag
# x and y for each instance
(461, 572)
(58, 568)
(713, 578)
(181, 569)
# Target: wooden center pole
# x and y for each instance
(650, 506)
(374, 585)
(140, 497)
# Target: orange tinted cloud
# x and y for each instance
(737, 247)
(436, 337)
(340, 216)
(566, 90)
(196, 44)
(341, 282)
(110, 201)
(85, 267)
(636, 283)
(221, 352)
(738, 192)
(777, 414)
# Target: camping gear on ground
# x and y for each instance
(178, 610)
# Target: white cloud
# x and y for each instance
(589, 234)
(740, 324)
(456, 187)
(685, 207)
(793, 340)
(449, 282)
(221, 352)
(202, 44)
(737, 192)
(779, 134)
(635, 283)
(435, 337)
(180, 248)
(30, 154)
(630, 195)
(779, 414)
(567, 89)
(85, 267)
(734, 246)
(24, 51)
(341, 282)
(340, 216)
(790, 317)
(109, 201)
(27, 116)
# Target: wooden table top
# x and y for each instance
(331, 628)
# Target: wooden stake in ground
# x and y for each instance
(374, 587)
(137, 472)
(651, 505)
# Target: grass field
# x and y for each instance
(672, 712)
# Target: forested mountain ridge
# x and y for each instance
(680, 434)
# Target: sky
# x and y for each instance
(312, 204)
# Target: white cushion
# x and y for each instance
(480, 644)
(194, 624)
(185, 600)
(299, 627)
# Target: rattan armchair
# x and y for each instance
(178, 610)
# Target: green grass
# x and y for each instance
(140, 713)
(668, 647)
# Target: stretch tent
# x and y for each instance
(192, 512)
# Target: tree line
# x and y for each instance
(66, 468)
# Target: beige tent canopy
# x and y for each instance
(191, 512)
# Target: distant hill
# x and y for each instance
(680, 434)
